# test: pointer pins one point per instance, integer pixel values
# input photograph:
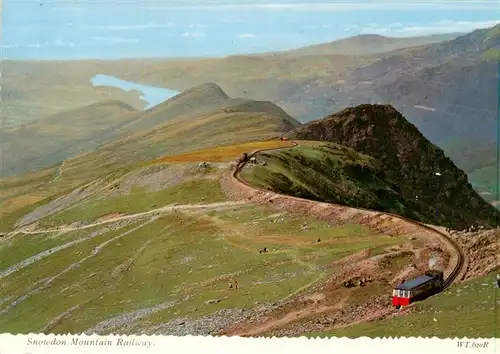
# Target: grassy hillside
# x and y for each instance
(20, 195)
(150, 272)
(48, 141)
(409, 160)
(204, 112)
(33, 90)
(331, 173)
(473, 302)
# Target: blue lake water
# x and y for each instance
(152, 95)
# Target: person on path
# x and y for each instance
(230, 285)
(235, 284)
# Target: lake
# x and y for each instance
(152, 95)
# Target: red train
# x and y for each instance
(418, 289)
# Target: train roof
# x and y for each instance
(410, 284)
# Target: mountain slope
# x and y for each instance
(425, 176)
(367, 44)
(447, 89)
(227, 122)
(183, 122)
(51, 140)
(332, 173)
(198, 101)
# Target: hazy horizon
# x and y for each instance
(103, 30)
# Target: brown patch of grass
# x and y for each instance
(222, 153)
(21, 202)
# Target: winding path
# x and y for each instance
(459, 256)
(59, 172)
(172, 207)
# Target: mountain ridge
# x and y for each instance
(425, 176)
(363, 44)
(104, 126)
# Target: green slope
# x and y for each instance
(464, 310)
(331, 173)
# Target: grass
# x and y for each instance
(464, 310)
(176, 257)
(491, 54)
(24, 246)
(222, 153)
(188, 192)
(332, 173)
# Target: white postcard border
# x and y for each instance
(83, 344)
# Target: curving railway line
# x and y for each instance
(461, 258)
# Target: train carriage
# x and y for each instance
(417, 289)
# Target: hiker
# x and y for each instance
(260, 250)
(498, 280)
(235, 284)
(265, 249)
(319, 240)
(230, 285)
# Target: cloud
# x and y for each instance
(194, 34)
(351, 28)
(345, 6)
(245, 35)
(9, 46)
(374, 30)
(56, 43)
(446, 26)
(129, 27)
(443, 26)
(115, 39)
(197, 25)
(65, 9)
(59, 43)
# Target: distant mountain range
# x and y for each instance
(445, 84)
(366, 44)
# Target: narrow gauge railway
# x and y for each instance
(404, 294)
(418, 288)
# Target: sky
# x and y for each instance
(68, 29)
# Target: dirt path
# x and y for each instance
(59, 172)
(45, 283)
(35, 258)
(172, 207)
(240, 189)
(391, 224)
(291, 317)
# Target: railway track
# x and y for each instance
(459, 253)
